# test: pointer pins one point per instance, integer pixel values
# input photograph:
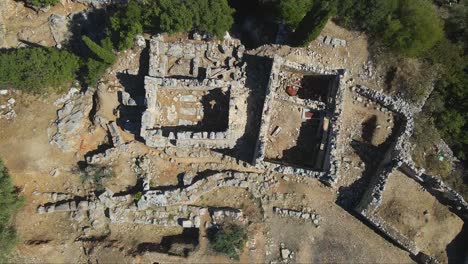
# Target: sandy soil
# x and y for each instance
(341, 238)
(419, 216)
(289, 118)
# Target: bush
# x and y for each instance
(412, 79)
(95, 175)
(34, 69)
(311, 26)
(9, 203)
(230, 240)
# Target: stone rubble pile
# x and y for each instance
(305, 214)
(257, 184)
(286, 255)
(165, 208)
(223, 70)
(72, 120)
(332, 41)
(6, 110)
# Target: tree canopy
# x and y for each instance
(41, 3)
(293, 11)
(9, 203)
(414, 29)
(34, 69)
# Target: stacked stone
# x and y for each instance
(302, 214)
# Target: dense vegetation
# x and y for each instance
(292, 12)
(311, 26)
(33, 69)
(410, 34)
(9, 203)
(41, 3)
(229, 240)
(205, 16)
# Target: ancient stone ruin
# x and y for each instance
(300, 121)
(194, 94)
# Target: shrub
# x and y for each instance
(95, 175)
(230, 240)
(93, 70)
(34, 69)
(138, 196)
(9, 203)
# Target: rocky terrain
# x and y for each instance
(106, 181)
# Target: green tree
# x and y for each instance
(414, 29)
(101, 53)
(34, 69)
(293, 11)
(457, 23)
(211, 16)
(311, 26)
(125, 24)
(41, 3)
(174, 16)
(9, 203)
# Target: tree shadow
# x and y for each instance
(457, 249)
(176, 245)
(130, 116)
(91, 24)
(254, 22)
(258, 73)
(215, 118)
(306, 151)
(368, 129)
(351, 195)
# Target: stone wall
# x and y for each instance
(333, 107)
(160, 51)
(165, 207)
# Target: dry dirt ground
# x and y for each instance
(419, 216)
(54, 238)
(22, 23)
(340, 238)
